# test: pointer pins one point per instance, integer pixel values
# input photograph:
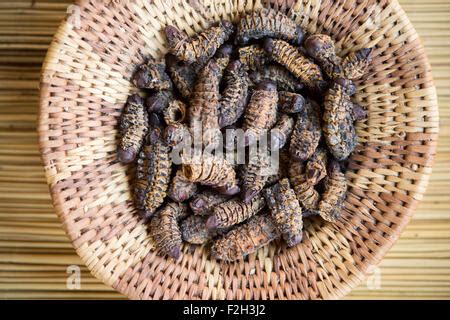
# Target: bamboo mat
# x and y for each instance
(34, 251)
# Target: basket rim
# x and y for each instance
(353, 280)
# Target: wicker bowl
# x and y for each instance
(85, 83)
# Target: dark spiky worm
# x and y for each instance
(278, 74)
(175, 134)
(285, 211)
(356, 63)
(202, 203)
(300, 66)
(133, 128)
(316, 167)
(281, 132)
(182, 74)
(213, 171)
(261, 112)
(165, 230)
(255, 175)
(234, 97)
(234, 211)
(307, 196)
(204, 104)
(152, 174)
(246, 238)
(201, 46)
(334, 194)
(265, 22)
(152, 75)
(321, 48)
(158, 101)
(338, 129)
(306, 134)
(180, 189)
(253, 57)
(194, 230)
(290, 102)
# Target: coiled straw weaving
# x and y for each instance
(85, 83)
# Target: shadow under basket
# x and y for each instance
(84, 86)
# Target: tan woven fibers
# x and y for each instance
(84, 85)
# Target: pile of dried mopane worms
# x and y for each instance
(261, 75)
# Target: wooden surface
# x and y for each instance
(34, 251)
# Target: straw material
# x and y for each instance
(84, 85)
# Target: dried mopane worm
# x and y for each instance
(321, 48)
(133, 128)
(286, 211)
(234, 96)
(182, 74)
(165, 230)
(255, 175)
(246, 238)
(278, 74)
(253, 57)
(213, 171)
(234, 211)
(300, 66)
(180, 188)
(202, 203)
(333, 197)
(281, 133)
(201, 46)
(265, 23)
(158, 101)
(204, 105)
(175, 134)
(338, 128)
(194, 230)
(152, 75)
(306, 134)
(261, 112)
(290, 102)
(152, 174)
(316, 167)
(307, 196)
(175, 112)
(356, 64)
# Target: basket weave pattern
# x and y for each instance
(86, 80)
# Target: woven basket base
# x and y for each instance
(86, 80)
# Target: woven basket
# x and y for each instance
(86, 80)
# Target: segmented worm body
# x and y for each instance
(261, 112)
(234, 97)
(152, 75)
(334, 194)
(165, 230)
(278, 74)
(300, 66)
(286, 211)
(338, 129)
(133, 127)
(265, 23)
(307, 196)
(234, 211)
(307, 131)
(202, 46)
(180, 188)
(257, 232)
(202, 203)
(152, 174)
